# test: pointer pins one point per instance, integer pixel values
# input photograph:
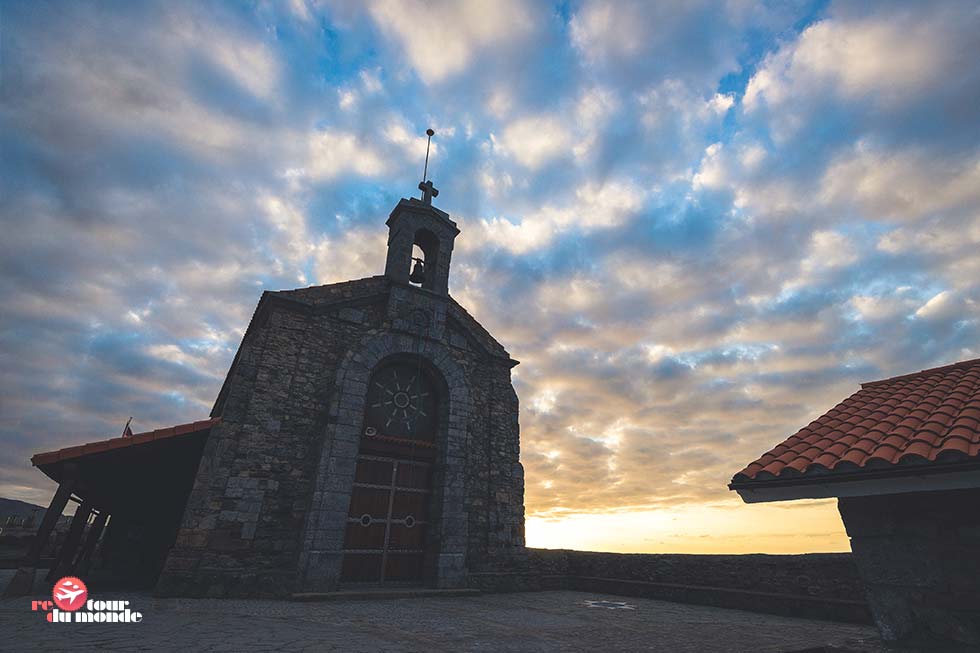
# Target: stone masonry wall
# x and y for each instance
(495, 479)
(919, 555)
(241, 524)
(243, 528)
(470, 463)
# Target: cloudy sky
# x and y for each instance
(697, 225)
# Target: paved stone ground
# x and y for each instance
(539, 621)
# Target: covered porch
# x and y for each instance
(130, 494)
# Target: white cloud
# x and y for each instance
(301, 10)
(638, 42)
(674, 99)
(348, 100)
(400, 134)
(881, 309)
(602, 30)
(939, 239)
(441, 38)
(332, 153)
(887, 59)
(593, 111)
(494, 182)
(535, 140)
(289, 231)
(352, 254)
(942, 305)
(573, 128)
(751, 156)
(721, 103)
(595, 106)
(595, 206)
(829, 250)
(713, 172)
(249, 61)
(676, 120)
(904, 184)
(371, 81)
(500, 101)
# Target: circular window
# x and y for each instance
(409, 521)
(366, 520)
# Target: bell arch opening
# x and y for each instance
(425, 256)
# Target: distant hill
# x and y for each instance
(17, 508)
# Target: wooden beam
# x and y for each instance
(94, 533)
(63, 563)
(50, 520)
(22, 583)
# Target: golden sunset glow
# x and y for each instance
(723, 528)
(697, 225)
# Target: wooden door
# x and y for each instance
(386, 524)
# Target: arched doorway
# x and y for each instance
(390, 507)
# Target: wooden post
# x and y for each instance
(94, 533)
(50, 520)
(63, 563)
(23, 581)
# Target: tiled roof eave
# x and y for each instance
(967, 477)
(45, 458)
(895, 471)
(888, 429)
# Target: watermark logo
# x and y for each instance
(70, 593)
(72, 605)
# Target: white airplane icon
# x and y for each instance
(68, 594)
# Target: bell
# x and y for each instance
(418, 272)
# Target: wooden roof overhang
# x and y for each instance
(138, 476)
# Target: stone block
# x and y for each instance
(342, 450)
(451, 570)
(321, 571)
(334, 502)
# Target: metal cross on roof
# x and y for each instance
(428, 191)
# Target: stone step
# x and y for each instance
(382, 594)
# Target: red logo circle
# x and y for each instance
(70, 593)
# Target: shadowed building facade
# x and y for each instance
(366, 433)
(903, 457)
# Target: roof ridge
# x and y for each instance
(480, 329)
(932, 370)
(328, 285)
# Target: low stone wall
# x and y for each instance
(821, 575)
(820, 586)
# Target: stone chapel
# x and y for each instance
(366, 434)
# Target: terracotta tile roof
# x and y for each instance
(118, 443)
(927, 418)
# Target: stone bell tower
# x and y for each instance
(368, 434)
(416, 223)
